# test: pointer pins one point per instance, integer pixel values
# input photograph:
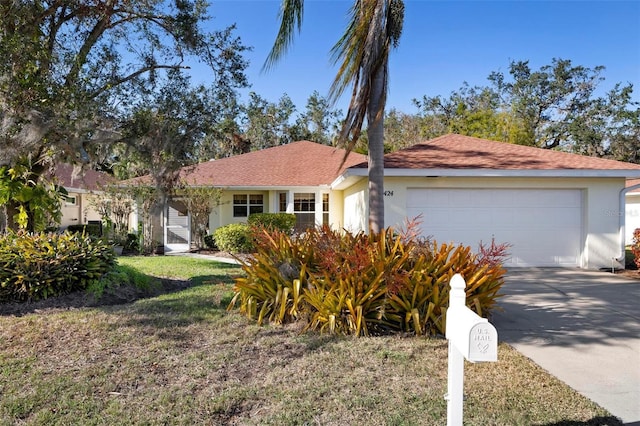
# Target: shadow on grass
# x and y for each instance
(596, 421)
(121, 295)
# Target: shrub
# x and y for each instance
(210, 242)
(132, 244)
(92, 229)
(271, 289)
(284, 222)
(364, 284)
(635, 247)
(37, 266)
(234, 238)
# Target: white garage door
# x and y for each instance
(543, 226)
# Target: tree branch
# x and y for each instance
(91, 40)
(134, 75)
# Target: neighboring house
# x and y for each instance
(632, 209)
(554, 208)
(77, 208)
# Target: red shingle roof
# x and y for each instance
(632, 182)
(463, 152)
(89, 180)
(300, 163)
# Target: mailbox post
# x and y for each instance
(470, 337)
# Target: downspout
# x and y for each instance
(622, 214)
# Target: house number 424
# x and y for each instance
(388, 193)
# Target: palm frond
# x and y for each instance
(291, 19)
(363, 53)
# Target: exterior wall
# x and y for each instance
(356, 207)
(632, 216)
(222, 214)
(601, 219)
(71, 213)
(80, 213)
(336, 209)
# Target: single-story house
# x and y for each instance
(85, 190)
(294, 178)
(554, 208)
(82, 188)
(632, 209)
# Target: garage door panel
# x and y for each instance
(544, 227)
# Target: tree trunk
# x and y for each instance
(375, 133)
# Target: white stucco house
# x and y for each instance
(554, 208)
(632, 208)
(77, 207)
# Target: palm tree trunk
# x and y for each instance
(375, 124)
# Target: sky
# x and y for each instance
(444, 44)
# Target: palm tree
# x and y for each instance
(363, 54)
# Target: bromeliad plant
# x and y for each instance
(364, 284)
(40, 265)
(635, 247)
(272, 287)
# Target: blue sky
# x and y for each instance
(444, 43)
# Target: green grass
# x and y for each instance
(200, 271)
(182, 359)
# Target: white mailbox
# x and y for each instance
(472, 335)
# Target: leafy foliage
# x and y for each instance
(271, 289)
(95, 230)
(635, 247)
(234, 238)
(37, 266)
(66, 85)
(284, 222)
(114, 205)
(34, 203)
(554, 107)
(364, 284)
(210, 242)
(200, 201)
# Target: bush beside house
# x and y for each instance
(363, 284)
(284, 222)
(234, 238)
(635, 248)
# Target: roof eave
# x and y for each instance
(267, 187)
(591, 173)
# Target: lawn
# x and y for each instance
(181, 358)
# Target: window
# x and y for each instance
(282, 201)
(70, 200)
(304, 207)
(325, 209)
(246, 204)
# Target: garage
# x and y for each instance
(543, 226)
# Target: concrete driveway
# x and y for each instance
(581, 326)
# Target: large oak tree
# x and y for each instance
(75, 71)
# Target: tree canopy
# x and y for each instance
(75, 74)
(558, 106)
(75, 71)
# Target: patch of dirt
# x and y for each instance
(630, 273)
(82, 299)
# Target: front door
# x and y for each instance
(177, 230)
